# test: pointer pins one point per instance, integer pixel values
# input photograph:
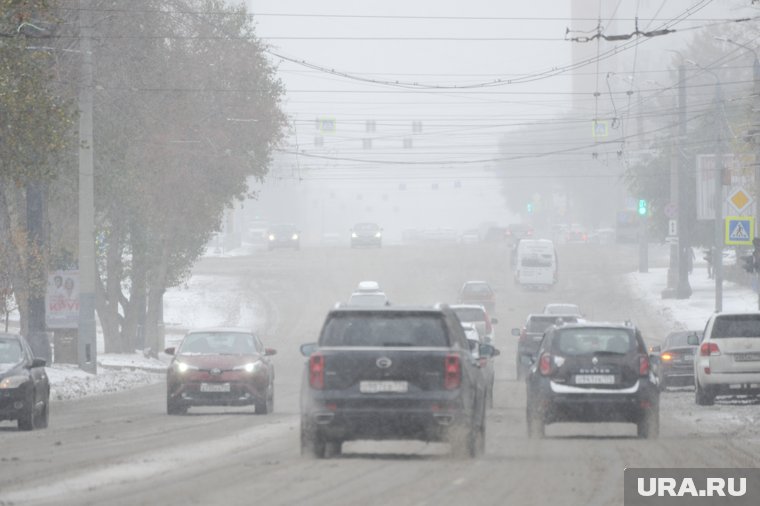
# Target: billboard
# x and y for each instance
(62, 300)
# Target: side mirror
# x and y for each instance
(268, 352)
(170, 351)
(487, 350)
(516, 332)
(38, 362)
(494, 321)
(308, 349)
(692, 340)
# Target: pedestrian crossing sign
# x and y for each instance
(740, 230)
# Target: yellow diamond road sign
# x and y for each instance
(739, 199)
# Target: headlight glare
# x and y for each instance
(13, 382)
(181, 366)
(295, 237)
(250, 367)
(378, 235)
(353, 234)
(271, 237)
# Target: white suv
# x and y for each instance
(729, 357)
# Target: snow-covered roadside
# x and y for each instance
(691, 313)
(729, 415)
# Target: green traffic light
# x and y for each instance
(642, 207)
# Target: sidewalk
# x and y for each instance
(692, 313)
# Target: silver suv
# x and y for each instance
(729, 357)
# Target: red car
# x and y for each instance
(220, 367)
(478, 292)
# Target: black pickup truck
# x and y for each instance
(392, 373)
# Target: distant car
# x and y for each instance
(220, 367)
(530, 338)
(478, 316)
(471, 236)
(495, 234)
(602, 236)
(257, 232)
(283, 236)
(448, 235)
(24, 385)
(366, 234)
(518, 231)
(563, 309)
(368, 286)
(674, 362)
(577, 234)
(592, 373)
(728, 362)
(478, 292)
(368, 299)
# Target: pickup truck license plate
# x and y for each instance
(594, 379)
(215, 387)
(382, 387)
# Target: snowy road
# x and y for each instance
(124, 449)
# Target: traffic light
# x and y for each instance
(642, 207)
(529, 208)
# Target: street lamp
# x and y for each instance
(717, 256)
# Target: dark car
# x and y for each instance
(220, 367)
(366, 234)
(283, 236)
(478, 292)
(593, 373)
(530, 338)
(395, 373)
(24, 385)
(674, 360)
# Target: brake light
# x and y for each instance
(452, 376)
(545, 364)
(643, 365)
(489, 328)
(708, 349)
(666, 357)
(317, 371)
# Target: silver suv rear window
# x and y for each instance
(736, 326)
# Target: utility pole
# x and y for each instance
(35, 220)
(718, 253)
(87, 353)
(683, 288)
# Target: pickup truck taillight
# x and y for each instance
(643, 365)
(317, 371)
(489, 328)
(545, 364)
(708, 349)
(452, 376)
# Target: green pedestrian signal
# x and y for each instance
(529, 208)
(642, 207)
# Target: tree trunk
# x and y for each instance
(155, 316)
(12, 224)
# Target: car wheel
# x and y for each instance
(266, 407)
(174, 408)
(333, 448)
(649, 426)
(312, 445)
(41, 421)
(703, 396)
(27, 420)
(536, 425)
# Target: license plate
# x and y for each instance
(747, 357)
(595, 379)
(687, 358)
(215, 387)
(382, 387)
